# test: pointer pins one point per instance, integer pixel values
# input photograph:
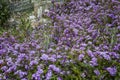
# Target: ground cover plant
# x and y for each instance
(84, 45)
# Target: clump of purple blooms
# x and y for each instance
(85, 46)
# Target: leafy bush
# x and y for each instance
(4, 12)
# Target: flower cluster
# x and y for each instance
(86, 45)
(90, 30)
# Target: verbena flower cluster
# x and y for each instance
(86, 45)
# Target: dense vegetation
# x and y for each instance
(84, 44)
(4, 12)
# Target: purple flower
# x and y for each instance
(32, 52)
(59, 56)
(9, 61)
(59, 78)
(83, 75)
(1, 61)
(24, 79)
(75, 31)
(54, 68)
(118, 27)
(81, 56)
(26, 67)
(2, 51)
(38, 47)
(39, 70)
(90, 53)
(44, 57)
(106, 56)
(22, 49)
(21, 73)
(22, 56)
(82, 48)
(17, 46)
(52, 59)
(4, 68)
(38, 73)
(97, 72)
(48, 75)
(112, 70)
(33, 62)
(114, 55)
(36, 76)
(10, 69)
(93, 62)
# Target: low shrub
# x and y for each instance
(4, 13)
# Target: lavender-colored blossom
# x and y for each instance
(39, 70)
(83, 75)
(59, 56)
(26, 67)
(106, 56)
(49, 75)
(8, 70)
(59, 78)
(32, 52)
(118, 27)
(17, 46)
(36, 76)
(52, 59)
(97, 72)
(2, 51)
(38, 47)
(114, 55)
(9, 61)
(44, 57)
(82, 48)
(21, 73)
(90, 53)
(22, 49)
(24, 79)
(54, 68)
(93, 62)
(34, 62)
(62, 72)
(112, 70)
(81, 56)
(22, 56)
(4, 68)
(1, 61)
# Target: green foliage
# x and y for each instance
(2, 30)
(23, 30)
(4, 12)
(25, 26)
